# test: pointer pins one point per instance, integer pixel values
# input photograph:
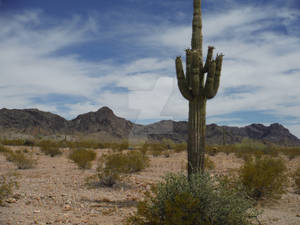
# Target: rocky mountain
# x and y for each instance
(104, 124)
(31, 121)
(177, 131)
(104, 121)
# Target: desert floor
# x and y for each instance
(54, 192)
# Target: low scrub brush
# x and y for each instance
(200, 200)
(83, 157)
(21, 160)
(296, 177)
(111, 166)
(7, 184)
(50, 148)
(264, 177)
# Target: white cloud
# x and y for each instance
(256, 57)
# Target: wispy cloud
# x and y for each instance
(260, 72)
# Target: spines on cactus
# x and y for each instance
(192, 87)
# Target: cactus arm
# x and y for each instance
(208, 58)
(182, 83)
(219, 61)
(189, 68)
(209, 85)
(213, 77)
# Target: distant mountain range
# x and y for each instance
(104, 125)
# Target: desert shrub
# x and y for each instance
(21, 160)
(49, 148)
(145, 148)
(290, 152)
(83, 157)
(156, 148)
(13, 142)
(111, 166)
(208, 163)
(124, 145)
(211, 150)
(252, 147)
(202, 200)
(263, 177)
(167, 153)
(129, 162)
(180, 147)
(84, 144)
(227, 149)
(3, 149)
(168, 143)
(296, 177)
(7, 184)
(28, 142)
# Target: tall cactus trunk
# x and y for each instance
(197, 90)
(196, 135)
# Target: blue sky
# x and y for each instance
(72, 57)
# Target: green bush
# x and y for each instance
(83, 157)
(263, 177)
(168, 143)
(296, 177)
(7, 184)
(180, 147)
(208, 163)
(50, 148)
(145, 148)
(202, 200)
(124, 145)
(14, 142)
(28, 142)
(290, 152)
(21, 160)
(252, 147)
(111, 166)
(211, 150)
(156, 148)
(3, 149)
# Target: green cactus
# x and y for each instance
(196, 91)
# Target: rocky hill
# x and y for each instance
(31, 121)
(104, 124)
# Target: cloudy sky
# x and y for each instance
(71, 57)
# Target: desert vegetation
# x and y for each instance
(112, 166)
(82, 157)
(264, 177)
(49, 148)
(296, 176)
(199, 199)
(236, 181)
(199, 83)
(8, 182)
(21, 158)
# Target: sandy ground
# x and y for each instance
(54, 192)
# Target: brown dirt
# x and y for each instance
(54, 192)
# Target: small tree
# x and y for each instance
(193, 88)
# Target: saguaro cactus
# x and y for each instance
(197, 91)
